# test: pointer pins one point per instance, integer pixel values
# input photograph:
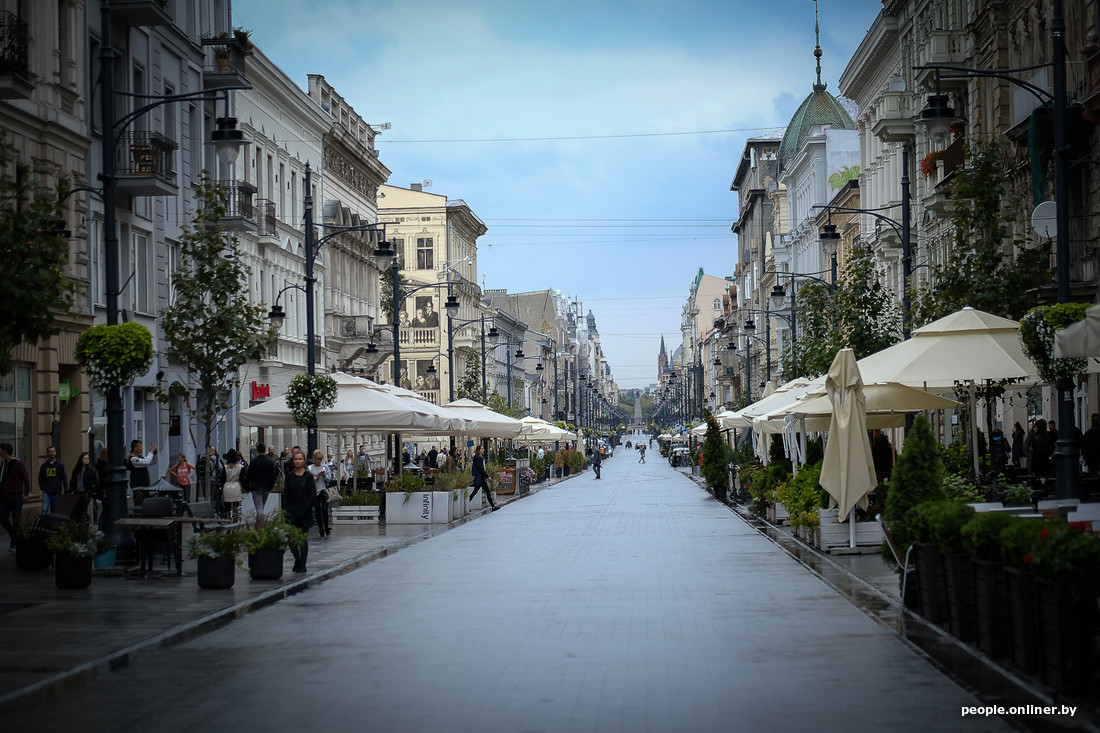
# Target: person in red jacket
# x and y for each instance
(15, 487)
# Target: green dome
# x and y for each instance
(820, 108)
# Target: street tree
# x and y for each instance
(469, 385)
(986, 267)
(34, 288)
(213, 328)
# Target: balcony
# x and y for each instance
(147, 13)
(240, 210)
(941, 47)
(265, 219)
(14, 74)
(224, 65)
(145, 164)
(893, 116)
(418, 337)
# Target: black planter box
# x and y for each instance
(994, 633)
(72, 572)
(1020, 590)
(1066, 622)
(959, 580)
(930, 581)
(217, 573)
(266, 564)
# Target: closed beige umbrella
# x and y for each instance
(848, 471)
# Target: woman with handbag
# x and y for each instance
(299, 498)
(232, 491)
(320, 503)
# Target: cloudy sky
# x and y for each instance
(597, 139)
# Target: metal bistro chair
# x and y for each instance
(159, 541)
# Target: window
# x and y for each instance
(99, 263)
(717, 305)
(425, 253)
(140, 256)
(399, 250)
(174, 256)
(15, 409)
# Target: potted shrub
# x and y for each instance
(1017, 540)
(1066, 565)
(946, 533)
(981, 538)
(559, 463)
(267, 543)
(931, 584)
(73, 547)
(104, 553)
(30, 550)
(113, 356)
(218, 554)
(416, 506)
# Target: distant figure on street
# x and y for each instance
(210, 465)
(261, 480)
(138, 464)
(320, 498)
(481, 477)
(52, 479)
(182, 473)
(1037, 449)
(433, 457)
(1090, 445)
(299, 497)
(15, 487)
(597, 460)
(1017, 444)
(641, 452)
(232, 493)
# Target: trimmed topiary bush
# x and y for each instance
(917, 477)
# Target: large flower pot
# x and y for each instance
(1066, 616)
(72, 572)
(1020, 590)
(217, 573)
(266, 564)
(991, 609)
(933, 588)
(417, 510)
(565, 470)
(959, 581)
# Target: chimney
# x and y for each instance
(416, 186)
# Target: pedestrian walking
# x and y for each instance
(232, 492)
(52, 479)
(182, 473)
(85, 480)
(597, 461)
(1037, 449)
(299, 498)
(320, 483)
(15, 488)
(481, 477)
(641, 452)
(1017, 444)
(261, 480)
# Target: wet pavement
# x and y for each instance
(632, 603)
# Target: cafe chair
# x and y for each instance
(159, 541)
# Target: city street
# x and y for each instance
(632, 603)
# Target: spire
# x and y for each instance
(818, 87)
(663, 353)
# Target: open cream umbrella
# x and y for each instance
(452, 422)
(540, 431)
(490, 424)
(360, 405)
(848, 471)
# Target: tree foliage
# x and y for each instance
(860, 314)
(717, 455)
(917, 477)
(386, 281)
(469, 385)
(213, 329)
(34, 288)
(986, 267)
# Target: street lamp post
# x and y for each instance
(227, 141)
(938, 116)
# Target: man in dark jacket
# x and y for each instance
(52, 480)
(481, 477)
(261, 478)
(597, 460)
(15, 487)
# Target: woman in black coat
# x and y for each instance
(85, 478)
(481, 477)
(299, 495)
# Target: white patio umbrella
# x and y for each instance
(540, 431)
(848, 471)
(453, 421)
(360, 404)
(1080, 339)
(489, 424)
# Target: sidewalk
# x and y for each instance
(55, 639)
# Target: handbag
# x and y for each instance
(333, 494)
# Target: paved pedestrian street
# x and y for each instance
(629, 604)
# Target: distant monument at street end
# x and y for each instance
(637, 421)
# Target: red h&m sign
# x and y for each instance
(260, 391)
